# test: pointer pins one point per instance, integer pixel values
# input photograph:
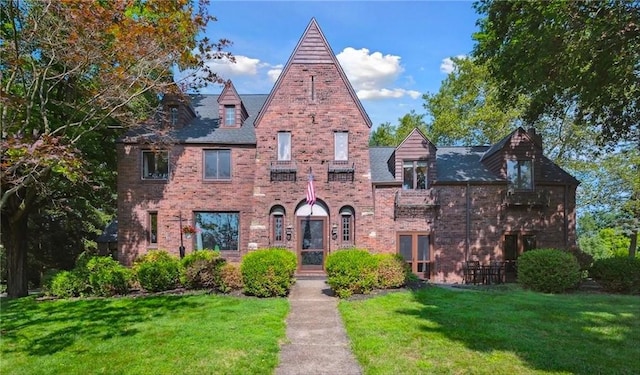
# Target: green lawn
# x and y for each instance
(441, 331)
(189, 334)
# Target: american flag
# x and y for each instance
(311, 192)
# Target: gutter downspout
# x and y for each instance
(467, 238)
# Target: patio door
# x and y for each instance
(312, 244)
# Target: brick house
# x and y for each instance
(237, 168)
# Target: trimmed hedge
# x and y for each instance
(548, 270)
(157, 271)
(201, 269)
(268, 272)
(107, 277)
(230, 278)
(392, 271)
(351, 271)
(617, 274)
(66, 284)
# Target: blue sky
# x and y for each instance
(392, 51)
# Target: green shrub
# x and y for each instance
(67, 284)
(585, 260)
(392, 271)
(107, 277)
(230, 278)
(351, 271)
(617, 274)
(157, 271)
(268, 272)
(548, 270)
(201, 269)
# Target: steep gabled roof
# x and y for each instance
(503, 142)
(313, 48)
(421, 134)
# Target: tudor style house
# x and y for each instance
(238, 168)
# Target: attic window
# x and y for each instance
(173, 112)
(229, 115)
(520, 174)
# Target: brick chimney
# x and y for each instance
(537, 138)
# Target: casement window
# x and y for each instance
(155, 165)
(415, 249)
(341, 145)
(520, 174)
(217, 164)
(284, 146)
(414, 174)
(347, 227)
(217, 231)
(173, 115)
(229, 115)
(277, 224)
(152, 232)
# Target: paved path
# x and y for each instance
(317, 342)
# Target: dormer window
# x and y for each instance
(229, 115)
(414, 175)
(520, 174)
(173, 113)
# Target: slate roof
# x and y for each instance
(460, 164)
(205, 127)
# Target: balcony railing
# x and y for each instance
(537, 198)
(283, 170)
(340, 170)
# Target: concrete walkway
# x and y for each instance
(317, 342)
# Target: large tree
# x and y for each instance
(74, 68)
(581, 57)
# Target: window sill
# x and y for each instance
(210, 181)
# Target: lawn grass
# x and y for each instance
(171, 334)
(440, 331)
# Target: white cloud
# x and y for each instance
(243, 66)
(274, 72)
(448, 65)
(387, 94)
(372, 74)
(369, 71)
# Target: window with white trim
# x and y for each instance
(229, 115)
(341, 146)
(414, 174)
(284, 145)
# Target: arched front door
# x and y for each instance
(312, 237)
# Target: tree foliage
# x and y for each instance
(576, 57)
(392, 135)
(71, 71)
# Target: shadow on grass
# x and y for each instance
(577, 333)
(41, 328)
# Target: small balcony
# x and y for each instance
(341, 170)
(283, 170)
(537, 198)
(415, 203)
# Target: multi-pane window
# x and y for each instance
(153, 228)
(346, 226)
(414, 175)
(155, 165)
(217, 164)
(278, 221)
(415, 250)
(520, 174)
(341, 145)
(229, 115)
(173, 112)
(284, 146)
(217, 230)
